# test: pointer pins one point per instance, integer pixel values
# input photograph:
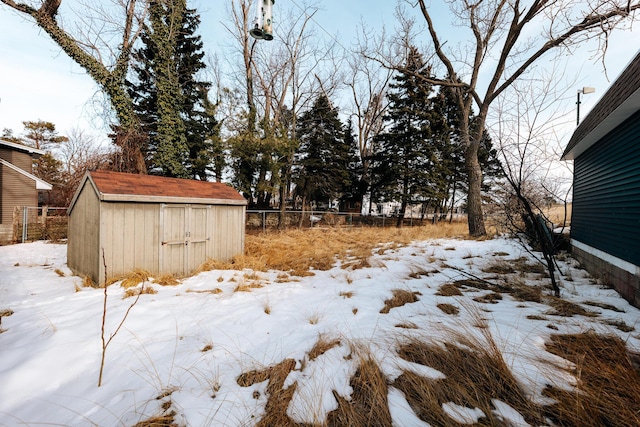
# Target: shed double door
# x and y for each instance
(184, 237)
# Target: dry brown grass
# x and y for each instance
(500, 267)
(299, 250)
(59, 272)
(167, 420)
(87, 282)
(321, 347)
(603, 306)
(449, 309)
(135, 278)
(368, 405)
(133, 292)
(214, 291)
(278, 398)
(449, 290)
(166, 280)
(608, 383)
(475, 375)
(400, 298)
(566, 308)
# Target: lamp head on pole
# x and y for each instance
(585, 90)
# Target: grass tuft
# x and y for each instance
(566, 308)
(321, 347)
(449, 290)
(275, 413)
(135, 278)
(166, 280)
(400, 298)
(368, 404)
(133, 292)
(475, 374)
(608, 384)
(449, 309)
(500, 267)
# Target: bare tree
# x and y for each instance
(506, 38)
(367, 82)
(278, 80)
(525, 133)
(101, 44)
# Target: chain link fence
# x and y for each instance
(45, 223)
(263, 220)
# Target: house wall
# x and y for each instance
(623, 277)
(606, 194)
(15, 188)
(606, 207)
(83, 244)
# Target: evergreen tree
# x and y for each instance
(402, 165)
(173, 105)
(323, 155)
(357, 186)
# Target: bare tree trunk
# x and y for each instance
(475, 214)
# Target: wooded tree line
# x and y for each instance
(415, 132)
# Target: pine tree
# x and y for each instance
(401, 166)
(172, 103)
(323, 156)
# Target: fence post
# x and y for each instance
(264, 222)
(24, 223)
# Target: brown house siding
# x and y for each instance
(17, 190)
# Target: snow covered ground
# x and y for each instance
(188, 344)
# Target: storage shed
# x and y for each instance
(605, 223)
(161, 225)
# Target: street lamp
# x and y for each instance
(585, 90)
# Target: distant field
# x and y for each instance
(556, 214)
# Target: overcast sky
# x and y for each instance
(38, 81)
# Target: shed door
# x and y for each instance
(185, 238)
(174, 244)
(197, 236)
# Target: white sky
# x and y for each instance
(38, 81)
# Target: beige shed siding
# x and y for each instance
(83, 248)
(227, 224)
(153, 232)
(129, 237)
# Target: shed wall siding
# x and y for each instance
(83, 246)
(606, 198)
(227, 240)
(130, 237)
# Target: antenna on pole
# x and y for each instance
(263, 22)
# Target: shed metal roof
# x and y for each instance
(616, 105)
(126, 187)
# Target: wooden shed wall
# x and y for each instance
(83, 246)
(130, 237)
(228, 226)
(17, 189)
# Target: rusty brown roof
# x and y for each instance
(118, 183)
(616, 105)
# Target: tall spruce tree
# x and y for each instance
(172, 103)
(401, 166)
(323, 156)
